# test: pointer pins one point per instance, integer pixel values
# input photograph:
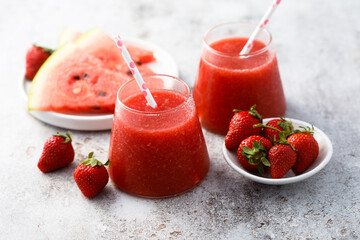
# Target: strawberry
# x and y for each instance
(58, 152)
(241, 127)
(35, 57)
(270, 132)
(91, 176)
(252, 153)
(306, 147)
(282, 158)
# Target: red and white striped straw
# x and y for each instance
(264, 20)
(134, 70)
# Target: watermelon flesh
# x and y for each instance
(81, 77)
(105, 49)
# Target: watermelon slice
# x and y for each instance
(74, 81)
(81, 77)
(99, 44)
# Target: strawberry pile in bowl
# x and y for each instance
(275, 150)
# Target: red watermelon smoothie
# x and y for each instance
(228, 81)
(157, 152)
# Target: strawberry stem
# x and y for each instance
(48, 50)
(283, 140)
(306, 130)
(287, 126)
(67, 136)
(92, 161)
(252, 112)
(265, 126)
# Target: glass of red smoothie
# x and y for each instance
(228, 81)
(157, 152)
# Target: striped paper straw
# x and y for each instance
(134, 70)
(264, 20)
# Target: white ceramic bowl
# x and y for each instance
(325, 153)
(164, 64)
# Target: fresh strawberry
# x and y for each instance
(306, 147)
(35, 57)
(282, 158)
(91, 176)
(252, 153)
(270, 132)
(58, 152)
(241, 127)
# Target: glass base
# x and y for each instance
(161, 197)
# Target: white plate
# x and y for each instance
(164, 64)
(325, 153)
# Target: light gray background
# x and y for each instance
(318, 50)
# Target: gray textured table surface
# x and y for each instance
(318, 48)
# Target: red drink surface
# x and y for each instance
(227, 81)
(160, 152)
(165, 100)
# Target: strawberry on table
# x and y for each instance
(252, 153)
(306, 147)
(91, 176)
(58, 152)
(241, 127)
(35, 57)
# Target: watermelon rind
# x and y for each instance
(68, 35)
(95, 41)
(84, 38)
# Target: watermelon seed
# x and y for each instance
(96, 108)
(76, 90)
(76, 77)
(129, 73)
(85, 75)
(101, 94)
(138, 63)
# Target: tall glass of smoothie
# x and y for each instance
(157, 152)
(228, 81)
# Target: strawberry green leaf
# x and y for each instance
(306, 130)
(247, 150)
(255, 113)
(107, 163)
(265, 161)
(245, 155)
(67, 136)
(287, 126)
(92, 161)
(256, 145)
(252, 112)
(261, 169)
(48, 50)
(255, 154)
(237, 110)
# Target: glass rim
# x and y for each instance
(255, 53)
(187, 99)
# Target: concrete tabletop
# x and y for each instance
(318, 49)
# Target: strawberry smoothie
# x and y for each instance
(228, 81)
(157, 152)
